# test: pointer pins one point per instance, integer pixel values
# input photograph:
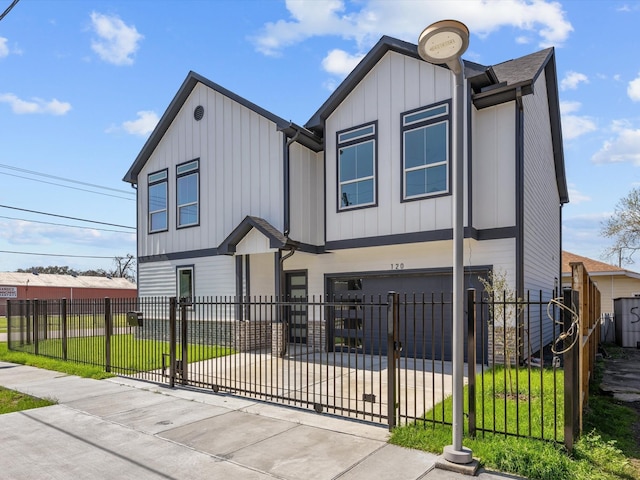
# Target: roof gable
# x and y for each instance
(174, 108)
(277, 239)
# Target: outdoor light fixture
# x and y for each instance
(444, 42)
(440, 43)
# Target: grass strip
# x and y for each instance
(128, 353)
(12, 401)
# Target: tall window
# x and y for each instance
(357, 167)
(425, 151)
(157, 183)
(185, 282)
(187, 178)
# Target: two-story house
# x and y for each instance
(234, 200)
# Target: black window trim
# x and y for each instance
(192, 269)
(361, 139)
(165, 180)
(195, 171)
(419, 124)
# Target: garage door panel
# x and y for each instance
(425, 323)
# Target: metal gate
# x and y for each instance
(208, 348)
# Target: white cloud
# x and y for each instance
(117, 42)
(364, 22)
(4, 48)
(339, 62)
(143, 125)
(576, 197)
(633, 90)
(35, 105)
(624, 147)
(573, 125)
(572, 79)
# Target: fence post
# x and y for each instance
(64, 328)
(471, 358)
(392, 342)
(8, 312)
(173, 307)
(27, 316)
(571, 371)
(107, 334)
(36, 326)
(21, 308)
(184, 342)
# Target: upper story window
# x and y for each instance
(157, 184)
(357, 167)
(425, 151)
(187, 193)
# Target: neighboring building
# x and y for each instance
(233, 200)
(613, 282)
(42, 286)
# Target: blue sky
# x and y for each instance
(83, 83)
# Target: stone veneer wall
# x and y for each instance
(242, 336)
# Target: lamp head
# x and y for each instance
(444, 42)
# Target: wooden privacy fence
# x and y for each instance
(582, 322)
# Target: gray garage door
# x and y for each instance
(425, 313)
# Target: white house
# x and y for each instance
(236, 201)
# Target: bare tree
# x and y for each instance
(624, 228)
(124, 267)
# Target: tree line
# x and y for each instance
(124, 267)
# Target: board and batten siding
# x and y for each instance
(494, 166)
(306, 184)
(240, 154)
(395, 85)
(213, 276)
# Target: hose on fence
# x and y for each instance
(571, 331)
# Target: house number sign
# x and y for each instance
(397, 266)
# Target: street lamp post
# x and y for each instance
(444, 42)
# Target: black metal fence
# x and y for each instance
(383, 360)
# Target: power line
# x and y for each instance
(55, 255)
(68, 218)
(66, 225)
(8, 9)
(66, 186)
(69, 180)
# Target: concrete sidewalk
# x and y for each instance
(122, 428)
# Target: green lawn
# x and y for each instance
(74, 321)
(128, 353)
(596, 456)
(12, 401)
(513, 404)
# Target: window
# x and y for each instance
(357, 167)
(187, 176)
(185, 283)
(425, 151)
(157, 201)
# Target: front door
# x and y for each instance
(297, 292)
